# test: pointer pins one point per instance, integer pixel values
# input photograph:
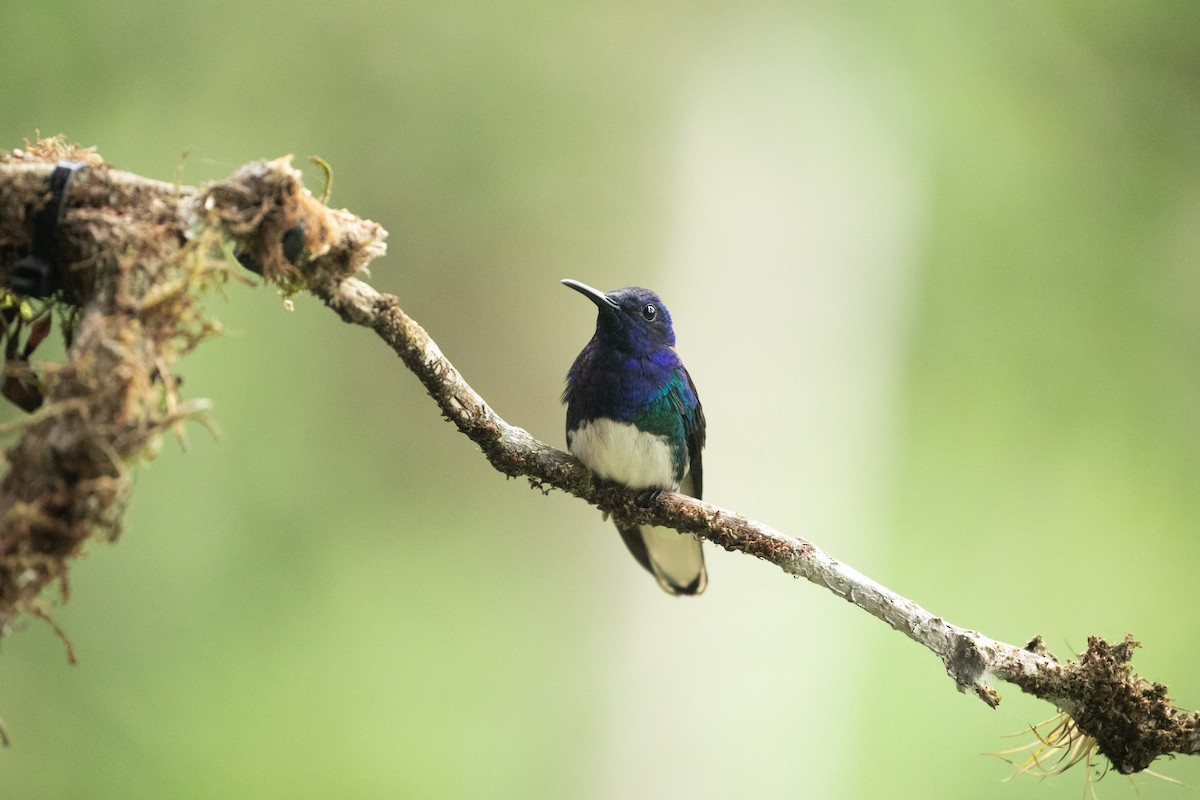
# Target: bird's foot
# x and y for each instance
(648, 497)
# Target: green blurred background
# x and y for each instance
(933, 267)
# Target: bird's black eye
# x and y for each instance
(649, 312)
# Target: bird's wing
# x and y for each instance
(694, 434)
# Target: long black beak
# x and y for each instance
(595, 295)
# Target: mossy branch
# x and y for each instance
(140, 250)
(131, 258)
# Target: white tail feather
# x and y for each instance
(677, 560)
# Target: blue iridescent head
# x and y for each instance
(632, 320)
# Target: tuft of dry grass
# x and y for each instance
(1058, 745)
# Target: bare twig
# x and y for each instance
(264, 209)
(1132, 721)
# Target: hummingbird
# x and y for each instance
(633, 417)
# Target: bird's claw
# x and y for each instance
(648, 498)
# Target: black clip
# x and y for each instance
(35, 275)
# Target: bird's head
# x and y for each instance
(633, 320)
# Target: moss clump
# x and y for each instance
(133, 258)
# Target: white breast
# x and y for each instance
(618, 451)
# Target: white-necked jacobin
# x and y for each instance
(633, 418)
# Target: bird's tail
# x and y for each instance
(676, 560)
